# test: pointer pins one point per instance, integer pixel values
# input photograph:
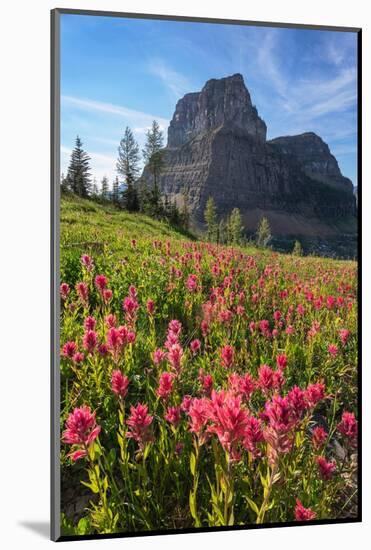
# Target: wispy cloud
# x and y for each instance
(138, 117)
(175, 82)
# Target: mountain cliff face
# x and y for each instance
(217, 147)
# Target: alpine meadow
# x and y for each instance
(208, 282)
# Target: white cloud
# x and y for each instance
(138, 117)
(177, 84)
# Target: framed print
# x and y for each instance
(206, 203)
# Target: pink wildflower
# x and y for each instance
(69, 349)
(326, 469)
(348, 426)
(158, 356)
(319, 436)
(195, 346)
(90, 323)
(265, 378)
(227, 356)
(101, 282)
(186, 403)
(110, 320)
(253, 435)
(192, 283)
(150, 307)
(165, 386)
(119, 383)
(82, 290)
(107, 295)
(87, 262)
(173, 415)
(139, 423)
(78, 358)
(303, 514)
(333, 350)
(199, 416)
(89, 340)
(314, 393)
(281, 361)
(64, 291)
(175, 326)
(344, 335)
(175, 356)
(81, 430)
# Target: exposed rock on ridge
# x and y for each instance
(217, 147)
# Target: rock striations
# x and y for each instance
(217, 147)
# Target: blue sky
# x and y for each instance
(117, 72)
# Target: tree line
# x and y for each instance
(135, 194)
(129, 191)
(230, 230)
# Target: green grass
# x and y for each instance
(85, 221)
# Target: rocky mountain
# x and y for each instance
(217, 147)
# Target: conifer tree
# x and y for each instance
(128, 167)
(78, 175)
(223, 232)
(211, 220)
(94, 190)
(104, 188)
(235, 226)
(263, 233)
(153, 153)
(298, 249)
(115, 191)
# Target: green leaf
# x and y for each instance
(83, 527)
(192, 505)
(252, 505)
(192, 462)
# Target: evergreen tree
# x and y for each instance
(223, 232)
(153, 153)
(104, 188)
(128, 167)
(235, 226)
(78, 176)
(174, 216)
(130, 199)
(211, 220)
(298, 249)
(115, 191)
(128, 157)
(263, 233)
(64, 183)
(94, 190)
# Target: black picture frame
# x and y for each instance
(55, 490)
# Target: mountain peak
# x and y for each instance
(221, 102)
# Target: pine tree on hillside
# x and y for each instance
(235, 226)
(211, 220)
(298, 249)
(128, 157)
(104, 188)
(64, 183)
(263, 233)
(222, 232)
(128, 167)
(153, 153)
(95, 190)
(78, 175)
(115, 191)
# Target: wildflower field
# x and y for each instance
(201, 385)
